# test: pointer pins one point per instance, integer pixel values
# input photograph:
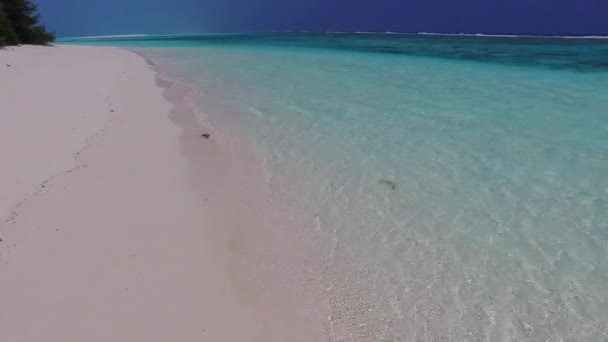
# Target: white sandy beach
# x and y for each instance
(104, 236)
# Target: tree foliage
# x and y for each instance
(20, 24)
(7, 33)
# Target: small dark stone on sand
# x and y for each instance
(0, 240)
(206, 136)
(8, 65)
(112, 110)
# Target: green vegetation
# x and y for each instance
(19, 24)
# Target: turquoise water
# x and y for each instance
(465, 179)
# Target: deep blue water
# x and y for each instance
(551, 52)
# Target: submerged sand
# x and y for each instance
(105, 234)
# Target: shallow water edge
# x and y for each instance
(271, 267)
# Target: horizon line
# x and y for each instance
(460, 34)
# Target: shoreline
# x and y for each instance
(262, 253)
(120, 240)
(318, 284)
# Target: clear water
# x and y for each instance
(464, 179)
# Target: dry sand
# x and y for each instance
(104, 236)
